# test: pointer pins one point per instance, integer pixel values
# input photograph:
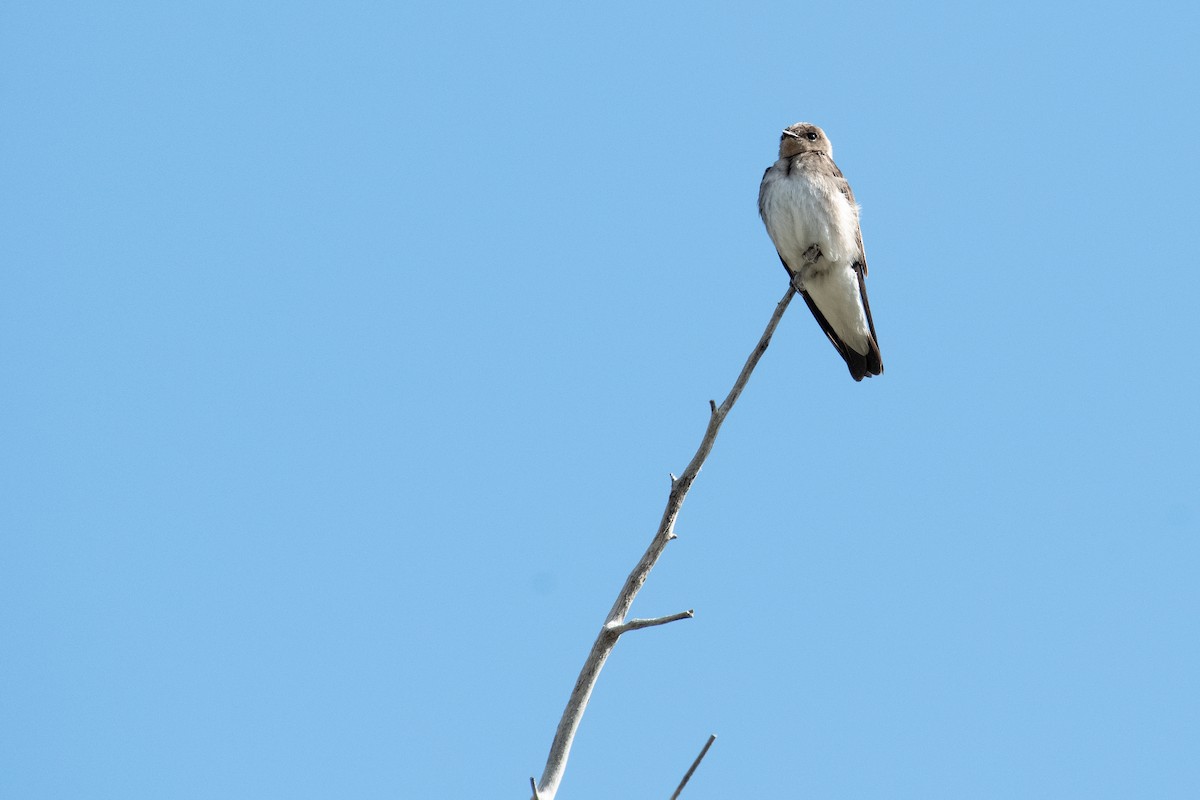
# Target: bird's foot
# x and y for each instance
(812, 254)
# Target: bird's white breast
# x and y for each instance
(804, 208)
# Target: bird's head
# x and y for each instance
(803, 137)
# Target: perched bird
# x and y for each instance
(812, 218)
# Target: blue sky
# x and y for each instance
(347, 348)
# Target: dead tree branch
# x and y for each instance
(615, 623)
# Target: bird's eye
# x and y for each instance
(811, 136)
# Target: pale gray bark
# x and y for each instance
(615, 623)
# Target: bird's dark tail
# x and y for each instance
(864, 366)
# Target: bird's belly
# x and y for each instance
(801, 212)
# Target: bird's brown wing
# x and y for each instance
(844, 186)
(860, 365)
(860, 266)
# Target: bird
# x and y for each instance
(812, 218)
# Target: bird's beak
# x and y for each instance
(792, 134)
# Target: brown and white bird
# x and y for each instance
(810, 213)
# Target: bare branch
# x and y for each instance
(692, 768)
(564, 736)
(638, 624)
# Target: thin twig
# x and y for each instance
(638, 624)
(703, 751)
(614, 623)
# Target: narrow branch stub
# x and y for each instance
(638, 624)
(687, 777)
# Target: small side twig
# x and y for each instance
(638, 624)
(687, 776)
(615, 623)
